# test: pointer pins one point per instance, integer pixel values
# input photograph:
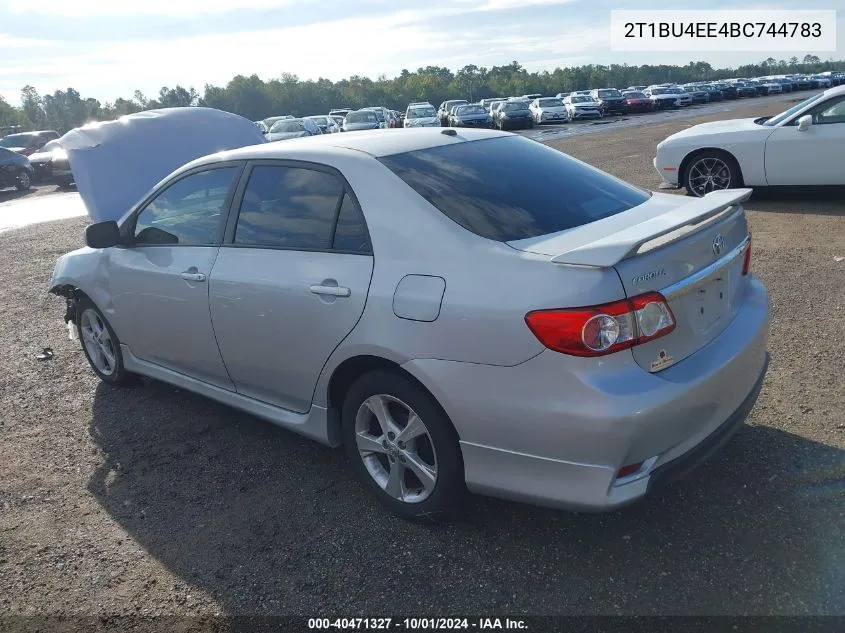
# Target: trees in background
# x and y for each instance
(256, 99)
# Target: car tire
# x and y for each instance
(24, 181)
(719, 164)
(385, 465)
(91, 325)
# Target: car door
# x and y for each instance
(291, 279)
(159, 281)
(815, 156)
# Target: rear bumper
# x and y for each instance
(555, 430)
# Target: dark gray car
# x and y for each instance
(15, 170)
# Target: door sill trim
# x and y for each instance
(312, 424)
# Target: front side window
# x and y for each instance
(780, 118)
(189, 212)
(832, 111)
(289, 207)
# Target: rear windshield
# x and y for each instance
(365, 116)
(634, 95)
(427, 112)
(609, 94)
(284, 127)
(18, 140)
(512, 188)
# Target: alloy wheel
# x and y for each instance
(98, 343)
(24, 180)
(396, 448)
(708, 174)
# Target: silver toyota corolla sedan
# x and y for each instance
(461, 310)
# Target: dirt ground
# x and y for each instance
(153, 501)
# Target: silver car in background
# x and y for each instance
(460, 309)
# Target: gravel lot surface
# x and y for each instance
(150, 500)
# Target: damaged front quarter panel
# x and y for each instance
(82, 271)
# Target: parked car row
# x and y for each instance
(528, 110)
(27, 157)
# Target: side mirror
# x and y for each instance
(805, 122)
(102, 234)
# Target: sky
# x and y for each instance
(110, 48)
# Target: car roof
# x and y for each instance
(376, 143)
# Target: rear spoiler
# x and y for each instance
(611, 249)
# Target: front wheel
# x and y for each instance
(101, 345)
(403, 447)
(24, 181)
(711, 171)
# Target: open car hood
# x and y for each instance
(115, 163)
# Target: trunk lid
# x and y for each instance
(691, 251)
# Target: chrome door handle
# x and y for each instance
(334, 291)
(188, 276)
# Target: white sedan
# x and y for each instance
(805, 145)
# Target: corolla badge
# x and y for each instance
(639, 279)
(718, 244)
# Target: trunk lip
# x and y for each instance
(689, 284)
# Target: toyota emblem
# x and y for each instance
(718, 244)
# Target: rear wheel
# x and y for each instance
(24, 181)
(711, 171)
(403, 447)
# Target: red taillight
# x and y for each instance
(746, 263)
(603, 329)
(630, 469)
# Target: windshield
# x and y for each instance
(365, 116)
(449, 104)
(510, 188)
(550, 103)
(604, 94)
(634, 95)
(283, 127)
(17, 140)
(780, 118)
(471, 109)
(422, 113)
(515, 106)
(662, 91)
(320, 120)
(581, 99)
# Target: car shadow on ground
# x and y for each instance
(814, 200)
(7, 195)
(268, 522)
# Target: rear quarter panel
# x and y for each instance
(489, 288)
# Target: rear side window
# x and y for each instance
(512, 188)
(299, 208)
